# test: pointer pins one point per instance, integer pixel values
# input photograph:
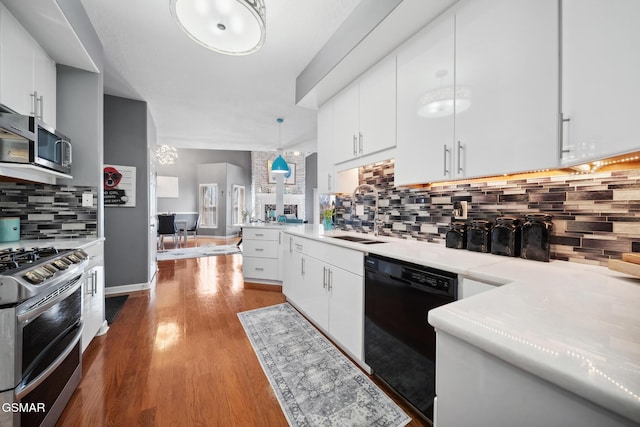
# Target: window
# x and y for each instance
(238, 205)
(208, 199)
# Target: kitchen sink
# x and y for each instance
(355, 239)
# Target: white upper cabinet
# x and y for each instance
(600, 83)
(478, 93)
(326, 176)
(45, 86)
(364, 114)
(378, 108)
(425, 130)
(16, 65)
(507, 69)
(27, 74)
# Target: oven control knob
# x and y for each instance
(33, 277)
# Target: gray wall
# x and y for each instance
(186, 170)
(126, 143)
(80, 114)
(226, 176)
(311, 182)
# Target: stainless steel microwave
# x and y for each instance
(24, 139)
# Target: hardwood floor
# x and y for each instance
(178, 356)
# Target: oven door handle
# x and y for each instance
(24, 389)
(26, 316)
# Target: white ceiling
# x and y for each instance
(202, 99)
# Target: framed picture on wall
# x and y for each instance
(289, 177)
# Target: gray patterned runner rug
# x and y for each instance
(315, 383)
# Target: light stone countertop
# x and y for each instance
(68, 243)
(574, 325)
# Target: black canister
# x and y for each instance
(505, 236)
(456, 237)
(479, 236)
(536, 234)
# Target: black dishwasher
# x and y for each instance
(399, 343)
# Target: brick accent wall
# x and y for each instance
(260, 177)
(49, 211)
(595, 216)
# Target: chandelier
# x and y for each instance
(231, 27)
(444, 100)
(166, 154)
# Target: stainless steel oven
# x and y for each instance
(400, 346)
(40, 337)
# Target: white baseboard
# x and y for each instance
(123, 289)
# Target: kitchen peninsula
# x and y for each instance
(572, 329)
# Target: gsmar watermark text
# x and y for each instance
(23, 407)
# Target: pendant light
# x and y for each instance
(279, 165)
(231, 27)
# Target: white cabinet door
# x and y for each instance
(326, 175)
(378, 108)
(16, 65)
(346, 124)
(93, 300)
(314, 299)
(346, 312)
(425, 128)
(45, 86)
(507, 63)
(600, 84)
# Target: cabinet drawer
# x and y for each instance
(348, 259)
(260, 248)
(260, 234)
(260, 268)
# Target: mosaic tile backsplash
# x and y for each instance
(595, 217)
(49, 211)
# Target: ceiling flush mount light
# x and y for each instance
(445, 100)
(279, 165)
(166, 154)
(232, 27)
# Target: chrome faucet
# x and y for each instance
(375, 212)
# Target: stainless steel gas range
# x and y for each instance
(40, 332)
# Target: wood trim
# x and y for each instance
(263, 287)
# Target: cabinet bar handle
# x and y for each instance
(259, 269)
(355, 145)
(460, 148)
(561, 150)
(41, 107)
(329, 182)
(259, 250)
(259, 235)
(330, 278)
(302, 266)
(360, 138)
(324, 277)
(34, 101)
(290, 244)
(446, 151)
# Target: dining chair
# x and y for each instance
(167, 227)
(193, 227)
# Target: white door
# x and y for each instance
(507, 63)
(378, 108)
(326, 176)
(152, 243)
(346, 124)
(425, 113)
(600, 84)
(346, 310)
(16, 65)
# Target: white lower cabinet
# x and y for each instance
(326, 283)
(261, 255)
(93, 295)
(495, 393)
